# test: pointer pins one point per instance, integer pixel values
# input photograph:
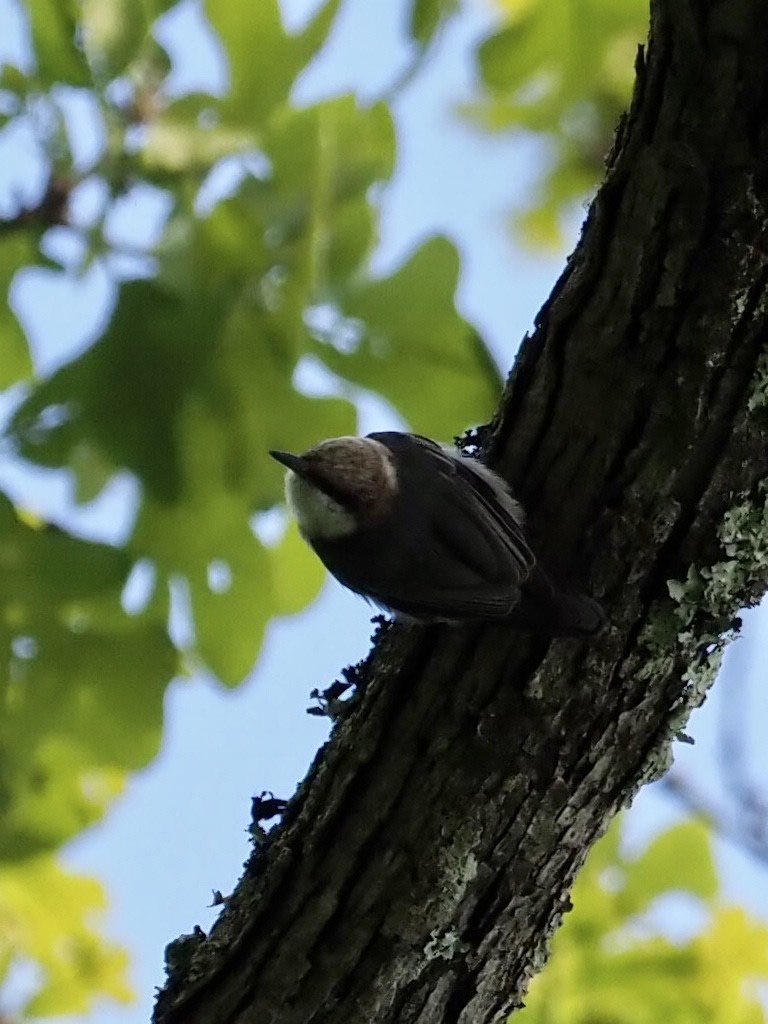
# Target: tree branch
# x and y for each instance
(428, 856)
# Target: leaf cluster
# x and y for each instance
(612, 959)
(562, 71)
(250, 320)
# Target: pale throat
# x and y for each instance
(318, 514)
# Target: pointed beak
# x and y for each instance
(294, 462)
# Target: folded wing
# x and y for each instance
(466, 548)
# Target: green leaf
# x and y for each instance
(297, 573)
(60, 60)
(14, 81)
(49, 913)
(426, 17)
(205, 538)
(223, 326)
(83, 699)
(92, 471)
(530, 46)
(191, 399)
(264, 59)
(734, 947)
(678, 859)
(574, 94)
(117, 34)
(311, 39)
(235, 585)
(606, 966)
(190, 403)
(411, 346)
(324, 160)
(16, 250)
(189, 136)
(114, 31)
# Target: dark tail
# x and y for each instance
(552, 610)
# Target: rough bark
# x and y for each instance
(429, 854)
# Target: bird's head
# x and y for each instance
(338, 485)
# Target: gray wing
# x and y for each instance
(466, 548)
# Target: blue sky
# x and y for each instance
(179, 831)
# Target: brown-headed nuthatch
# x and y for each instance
(425, 532)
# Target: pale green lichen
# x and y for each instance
(744, 533)
(457, 868)
(655, 766)
(458, 873)
(759, 397)
(444, 945)
(719, 588)
(702, 623)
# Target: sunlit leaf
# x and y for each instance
(413, 348)
(297, 573)
(263, 58)
(612, 962)
(680, 858)
(114, 30)
(16, 250)
(426, 16)
(54, 25)
(85, 683)
(48, 917)
(563, 70)
(188, 136)
(734, 950)
(324, 160)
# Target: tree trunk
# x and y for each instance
(427, 858)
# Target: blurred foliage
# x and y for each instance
(563, 71)
(46, 919)
(246, 290)
(191, 379)
(426, 17)
(83, 694)
(611, 960)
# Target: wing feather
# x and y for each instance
(465, 544)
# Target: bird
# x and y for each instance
(426, 533)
